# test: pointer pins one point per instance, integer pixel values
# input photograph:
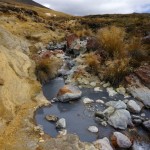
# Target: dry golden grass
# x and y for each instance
(47, 68)
(112, 40)
(135, 48)
(116, 70)
(93, 61)
(83, 32)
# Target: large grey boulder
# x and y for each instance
(68, 93)
(120, 119)
(138, 90)
(121, 140)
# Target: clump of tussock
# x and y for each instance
(47, 69)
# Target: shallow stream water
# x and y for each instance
(78, 115)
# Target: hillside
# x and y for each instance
(29, 2)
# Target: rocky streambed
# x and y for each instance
(98, 113)
(93, 110)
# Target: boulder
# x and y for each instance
(68, 93)
(133, 107)
(120, 119)
(93, 129)
(103, 144)
(120, 140)
(117, 104)
(138, 90)
(61, 123)
(146, 124)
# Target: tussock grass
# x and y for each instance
(47, 69)
(116, 70)
(112, 40)
(93, 61)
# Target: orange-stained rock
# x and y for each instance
(64, 90)
(70, 39)
(68, 93)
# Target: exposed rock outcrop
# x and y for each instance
(138, 90)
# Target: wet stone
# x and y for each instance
(51, 118)
(61, 123)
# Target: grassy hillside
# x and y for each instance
(29, 2)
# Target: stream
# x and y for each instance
(80, 116)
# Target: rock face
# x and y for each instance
(120, 140)
(16, 73)
(138, 90)
(68, 93)
(133, 106)
(19, 93)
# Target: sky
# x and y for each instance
(89, 7)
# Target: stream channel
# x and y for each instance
(78, 115)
